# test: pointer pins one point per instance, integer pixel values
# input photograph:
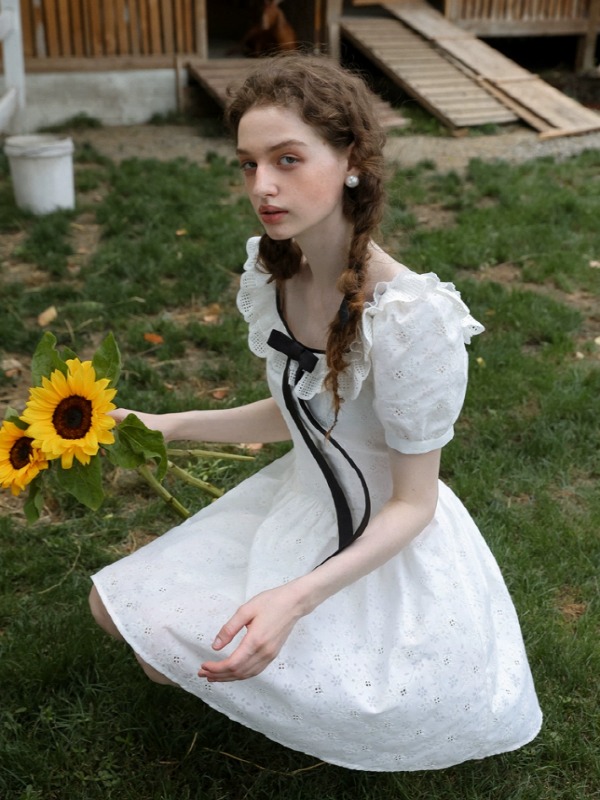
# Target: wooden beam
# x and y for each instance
(523, 27)
(333, 13)
(556, 132)
(586, 50)
(100, 64)
(201, 29)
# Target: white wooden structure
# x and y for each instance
(14, 66)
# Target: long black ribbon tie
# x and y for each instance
(307, 361)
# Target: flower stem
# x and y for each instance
(187, 478)
(209, 454)
(160, 490)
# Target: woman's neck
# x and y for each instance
(326, 252)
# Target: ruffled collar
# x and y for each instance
(257, 301)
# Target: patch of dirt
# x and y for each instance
(433, 216)
(509, 274)
(486, 202)
(569, 604)
(164, 142)
(84, 239)
(135, 540)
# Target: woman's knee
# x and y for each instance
(154, 674)
(102, 616)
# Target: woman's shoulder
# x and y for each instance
(398, 297)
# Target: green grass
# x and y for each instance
(79, 719)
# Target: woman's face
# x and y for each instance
(294, 178)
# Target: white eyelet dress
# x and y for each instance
(418, 665)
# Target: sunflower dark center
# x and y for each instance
(20, 452)
(72, 417)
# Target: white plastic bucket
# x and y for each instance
(42, 172)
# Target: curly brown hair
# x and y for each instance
(341, 106)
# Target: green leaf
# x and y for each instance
(35, 500)
(46, 359)
(107, 361)
(120, 453)
(68, 354)
(135, 444)
(12, 415)
(83, 482)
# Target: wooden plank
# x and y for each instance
(155, 27)
(483, 59)
(77, 24)
(27, 26)
(423, 18)
(188, 26)
(110, 29)
(52, 39)
(86, 28)
(421, 74)
(516, 27)
(95, 28)
(134, 28)
(123, 45)
(526, 114)
(64, 28)
(550, 104)
(144, 27)
(39, 29)
(101, 63)
(179, 23)
(554, 134)
(166, 11)
(201, 31)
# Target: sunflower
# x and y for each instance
(20, 460)
(67, 416)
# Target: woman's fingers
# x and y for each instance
(232, 628)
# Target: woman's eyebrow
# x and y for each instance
(278, 146)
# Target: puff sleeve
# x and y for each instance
(420, 365)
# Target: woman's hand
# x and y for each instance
(269, 619)
(152, 421)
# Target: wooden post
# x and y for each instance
(201, 30)
(333, 14)
(317, 28)
(587, 44)
(452, 10)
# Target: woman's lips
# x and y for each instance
(271, 214)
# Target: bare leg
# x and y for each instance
(102, 616)
(104, 620)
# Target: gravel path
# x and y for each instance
(172, 141)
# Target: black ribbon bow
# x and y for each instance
(307, 361)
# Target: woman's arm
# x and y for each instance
(270, 616)
(256, 422)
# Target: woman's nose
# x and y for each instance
(263, 184)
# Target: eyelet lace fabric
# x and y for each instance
(418, 665)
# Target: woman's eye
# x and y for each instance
(247, 165)
(288, 160)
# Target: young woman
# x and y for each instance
(341, 601)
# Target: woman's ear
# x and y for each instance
(350, 158)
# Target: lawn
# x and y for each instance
(157, 248)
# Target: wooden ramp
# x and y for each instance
(216, 75)
(542, 106)
(425, 73)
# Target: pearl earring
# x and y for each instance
(352, 181)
